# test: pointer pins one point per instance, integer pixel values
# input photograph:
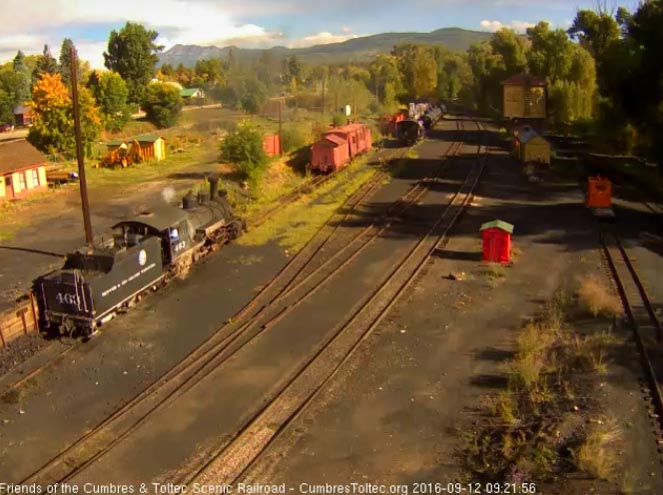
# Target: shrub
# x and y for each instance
(162, 104)
(594, 298)
(293, 138)
(339, 119)
(243, 147)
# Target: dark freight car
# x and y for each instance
(409, 132)
(92, 284)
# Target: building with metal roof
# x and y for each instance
(22, 169)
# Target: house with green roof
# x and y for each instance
(190, 95)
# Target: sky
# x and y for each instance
(29, 24)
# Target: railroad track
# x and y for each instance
(232, 460)
(641, 316)
(249, 322)
(655, 208)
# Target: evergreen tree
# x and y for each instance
(65, 62)
(46, 64)
(132, 53)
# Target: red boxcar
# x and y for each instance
(340, 145)
(329, 154)
(388, 123)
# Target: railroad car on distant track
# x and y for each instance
(409, 131)
(339, 146)
(431, 117)
(144, 252)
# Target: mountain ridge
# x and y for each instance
(358, 49)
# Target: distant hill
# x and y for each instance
(357, 49)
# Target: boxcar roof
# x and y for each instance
(525, 80)
(337, 140)
(18, 155)
(529, 135)
(159, 218)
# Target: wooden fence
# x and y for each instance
(21, 320)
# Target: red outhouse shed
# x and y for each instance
(497, 241)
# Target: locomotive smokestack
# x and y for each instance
(213, 185)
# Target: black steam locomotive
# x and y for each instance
(144, 252)
(409, 131)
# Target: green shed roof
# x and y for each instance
(499, 224)
(115, 142)
(148, 139)
(188, 92)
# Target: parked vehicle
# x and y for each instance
(6, 127)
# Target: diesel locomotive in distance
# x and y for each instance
(144, 252)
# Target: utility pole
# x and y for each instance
(281, 126)
(79, 149)
(323, 95)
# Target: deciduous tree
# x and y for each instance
(162, 104)
(551, 53)
(110, 91)
(243, 147)
(53, 124)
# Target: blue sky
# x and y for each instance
(29, 24)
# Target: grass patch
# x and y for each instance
(595, 299)
(11, 397)
(495, 273)
(296, 223)
(597, 453)
(515, 439)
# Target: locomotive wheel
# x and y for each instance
(234, 230)
(67, 328)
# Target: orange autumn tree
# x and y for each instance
(52, 128)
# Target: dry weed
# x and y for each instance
(535, 339)
(595, 299)
(598, 454)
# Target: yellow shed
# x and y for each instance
(524, 97)
(532, 148)
(153, 147)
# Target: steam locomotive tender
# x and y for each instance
(146, 251)
(409, 131)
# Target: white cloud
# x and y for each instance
(92, 51)
(518, 26)
(178, 21)
(322, 38)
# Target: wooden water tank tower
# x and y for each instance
(524, 97)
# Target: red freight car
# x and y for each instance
(388, 123)
(329, 154)
(340, 145)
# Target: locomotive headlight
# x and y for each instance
(142, 257)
